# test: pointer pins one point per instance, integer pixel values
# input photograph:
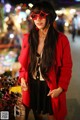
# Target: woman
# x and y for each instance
(46, 65)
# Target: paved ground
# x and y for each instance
(73, 94)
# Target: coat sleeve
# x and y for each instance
(66, 64)
(23, 58)
(22, 74)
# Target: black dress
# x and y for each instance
(39, 101)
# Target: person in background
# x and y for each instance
(60, 23)
(74, 27)
(46, 66)
(10, 24)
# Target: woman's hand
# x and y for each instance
(24, 86)
(55, 93)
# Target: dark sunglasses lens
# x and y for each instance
(42, 15)
(33, 16)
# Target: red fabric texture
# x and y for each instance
(26, 98)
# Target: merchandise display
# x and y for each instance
(8, 98)
(10, 90)
(8, 62)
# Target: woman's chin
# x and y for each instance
(40, 27)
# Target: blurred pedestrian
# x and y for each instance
(46, 66)
(74, 27)
(10, 24)
(60, 23)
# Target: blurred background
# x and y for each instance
(14, 22)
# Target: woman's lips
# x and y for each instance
(39, 24)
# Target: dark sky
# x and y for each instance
(56, 3)
(27, 1)
(15, 2)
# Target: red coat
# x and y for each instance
(63, 63)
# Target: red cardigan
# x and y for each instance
(63, 63)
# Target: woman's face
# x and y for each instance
(40, 23)
(39, 19)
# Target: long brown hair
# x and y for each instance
(49, 51)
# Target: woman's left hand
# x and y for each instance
(55, 93)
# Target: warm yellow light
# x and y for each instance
(28, 11)
(30, 5)
(72, 11)
(66, 24)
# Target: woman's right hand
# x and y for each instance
(24, 86)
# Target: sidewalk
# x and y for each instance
(73, 94)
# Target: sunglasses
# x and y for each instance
(41, 15)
